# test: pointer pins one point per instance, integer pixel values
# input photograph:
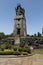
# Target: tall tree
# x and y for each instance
(2, 35)
(39, 34)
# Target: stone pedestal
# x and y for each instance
(17, 40)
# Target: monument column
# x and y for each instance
(20, 24)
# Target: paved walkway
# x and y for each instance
(36, 59)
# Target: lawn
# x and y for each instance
(38, 51)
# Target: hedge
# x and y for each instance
(6, 53)
(16, 53)
(24, 53)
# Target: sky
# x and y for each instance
(33, 14)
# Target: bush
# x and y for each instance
(24, 49)
(6, 49)
(24, 53)
(16, 53)
(2, 53)
(7, 52)
(15, 48)
(2, 47)
(22, 44)
(28, 49)
(8, 45)
(20, 49)
(5, 46)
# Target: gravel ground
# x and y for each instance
(36, 59)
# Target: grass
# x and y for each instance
(38, 51)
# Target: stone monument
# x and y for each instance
(19, 24)
(19, 35)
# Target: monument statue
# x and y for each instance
(20, 24)
(19, 35)
(19, 10)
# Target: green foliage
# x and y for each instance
(2, 47)
(35, 35)
(20, 49)
(27, 49)
(2, 35)
(7, 52)
(8, 45)
(15, 48)
(24, 53)
(39, 34)
(6, 49)
(24, 49)
(16, 53)
(5, 46)
(10, 35)
(22, 44)
(38, 51)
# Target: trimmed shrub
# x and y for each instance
(29, 50)
(23, 44)
(24, 53)
(16, 53)
(7, 52)
(8, 45)
(15, 48)
(20, 49)
(5, 46)
(24, 49)
(2, 47)
(2, 53)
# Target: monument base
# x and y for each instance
(17, 40)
